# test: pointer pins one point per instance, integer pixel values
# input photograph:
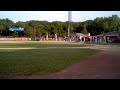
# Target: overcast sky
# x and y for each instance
(50, 16)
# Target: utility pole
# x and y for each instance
(69, 25)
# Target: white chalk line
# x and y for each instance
(90, 47)
(43, 48)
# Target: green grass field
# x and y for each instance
(39, 45)
(39, 61)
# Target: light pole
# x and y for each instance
(69, 24)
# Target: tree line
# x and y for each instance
(42, 28)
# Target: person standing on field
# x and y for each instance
(104, 39)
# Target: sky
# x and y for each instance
(77, 16)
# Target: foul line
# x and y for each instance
(93, 47)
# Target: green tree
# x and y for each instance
(84, 31)
(15, 34)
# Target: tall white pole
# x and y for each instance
(69, 16)
(69, 23)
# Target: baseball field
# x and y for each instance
(29, 58)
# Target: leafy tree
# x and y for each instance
(15, 34)
(84, 31)
(37, 28)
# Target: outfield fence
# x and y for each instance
(15, 39)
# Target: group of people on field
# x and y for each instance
(103, 39)
(93, 39)
(82, 39)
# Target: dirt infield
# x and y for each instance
(105, 65)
